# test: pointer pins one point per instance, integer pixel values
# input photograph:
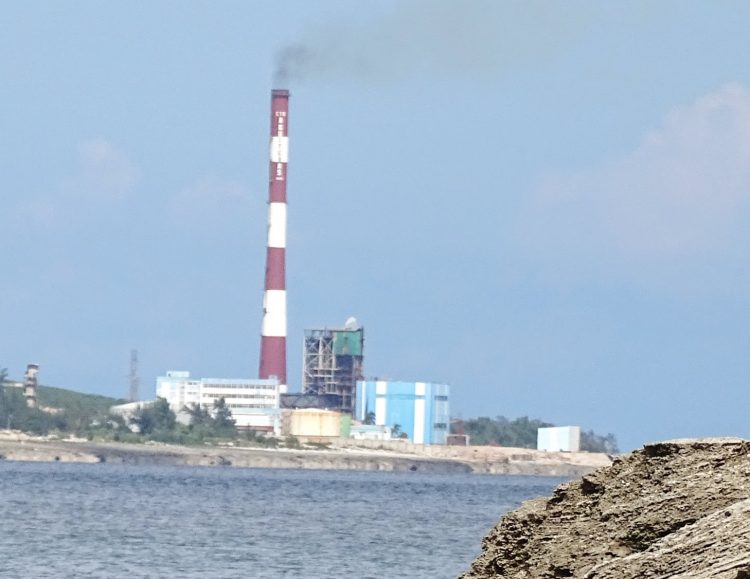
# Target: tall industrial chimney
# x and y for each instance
(273, 334)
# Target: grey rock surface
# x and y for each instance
(676, 509)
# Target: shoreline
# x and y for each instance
(347, 456)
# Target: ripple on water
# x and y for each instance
(105, 520)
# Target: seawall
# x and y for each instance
(343, 456)
(494, 459)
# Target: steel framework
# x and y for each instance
(329, 369)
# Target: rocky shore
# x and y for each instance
(677, 509)
(347, 456)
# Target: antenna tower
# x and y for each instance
(135, 381)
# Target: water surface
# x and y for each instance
(104, 520)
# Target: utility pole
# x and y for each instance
(135, 381)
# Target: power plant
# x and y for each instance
(334, 389)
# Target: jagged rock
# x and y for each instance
(675, 509)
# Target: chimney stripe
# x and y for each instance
(277, 225)
(274, 313)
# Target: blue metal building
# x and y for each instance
(421, 409)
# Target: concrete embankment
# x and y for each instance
(168, 455)
(344, 454)
(495, 459)
(674, 509)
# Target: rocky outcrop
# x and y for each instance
(677, 509)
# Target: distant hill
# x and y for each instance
(57, 410)
(77, 402)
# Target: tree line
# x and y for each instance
(522, 433)
(158, 422)
(88, 416)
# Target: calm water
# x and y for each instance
(75, 520)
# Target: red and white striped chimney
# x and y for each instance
(273, 334)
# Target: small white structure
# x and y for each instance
(370, 432)
(129, 409)
(254, 403)
(559, 438)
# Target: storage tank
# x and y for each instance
(314, 423)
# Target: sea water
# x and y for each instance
(102, 520)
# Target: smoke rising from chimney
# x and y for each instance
(431, 37)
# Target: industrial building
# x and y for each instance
(418, 409)
(333, 363)
(254, 403)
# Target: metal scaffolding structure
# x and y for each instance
(333, 362)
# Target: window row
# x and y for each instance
(243, 386)
(233, 396)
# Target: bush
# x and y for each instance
(319, 445)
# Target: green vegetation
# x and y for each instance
(593, 442)
(255, 439)
(157, 422)
(16, 415)
(522, 433)
(77, 412)
(218, 424)
(58, 410)
(67, 413)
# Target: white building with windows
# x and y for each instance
(254, 403)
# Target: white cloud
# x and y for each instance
(103, 174)
(104, 171)
(682, 196)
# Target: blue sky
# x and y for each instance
(542, 204)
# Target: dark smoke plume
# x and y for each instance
(291, 63)
(432, 37)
